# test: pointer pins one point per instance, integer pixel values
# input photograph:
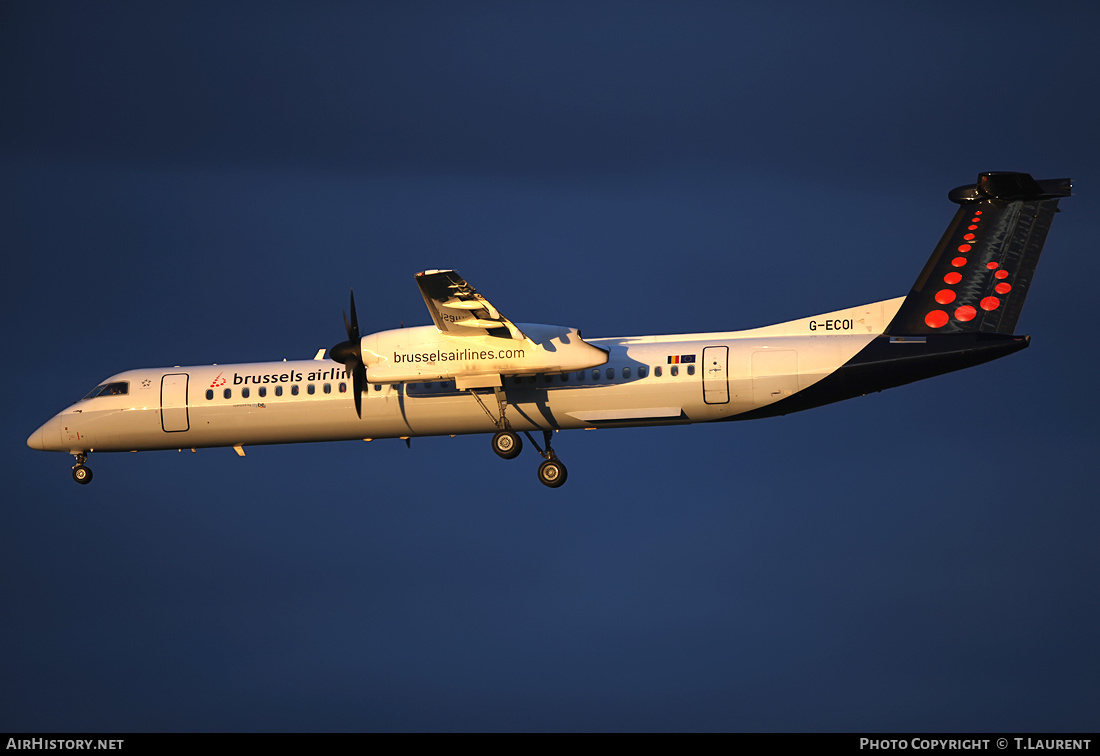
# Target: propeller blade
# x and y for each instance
(353, 328)
(349, 354)
(358, 374)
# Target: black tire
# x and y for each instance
(82, 474)
(552, 473)
(507, 445)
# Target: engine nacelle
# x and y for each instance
(425, 354)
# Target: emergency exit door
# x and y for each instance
(716, 387)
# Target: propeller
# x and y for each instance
(349, 354)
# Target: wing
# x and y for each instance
(458, 310)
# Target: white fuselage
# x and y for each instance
(646, 380)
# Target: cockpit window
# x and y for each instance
(109, 389)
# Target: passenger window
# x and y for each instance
(209, 394)
(310, 389)
(580, 376)
(294, 390)
(642, 371)
(595, 375)
(228, 393)
(565, 377)
(610, 373)
(378, 387)
(626, 372)
(691, 370)
(657, 371)
(263, 391)
(278, 391)
(244, 392)
(343, 387)
(674, 370)
(328, 388)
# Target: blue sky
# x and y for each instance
(204, 183)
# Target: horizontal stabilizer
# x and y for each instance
(980, 273)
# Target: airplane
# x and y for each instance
(475, 371)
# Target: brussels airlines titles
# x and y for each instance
(292, 376)
(459, 355)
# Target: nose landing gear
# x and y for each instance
(81, 473)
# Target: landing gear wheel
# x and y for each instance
(82, 474)
(552, 473)
(507, 445)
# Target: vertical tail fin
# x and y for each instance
(980, 272)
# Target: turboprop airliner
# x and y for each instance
(475, 371)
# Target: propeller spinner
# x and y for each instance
(349, 354)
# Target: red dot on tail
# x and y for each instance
(965, 313)
(936, 319)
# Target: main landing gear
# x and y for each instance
(81, 473)
(507, 444)
(552, 472)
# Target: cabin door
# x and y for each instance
(173, 402)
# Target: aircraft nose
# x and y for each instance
(48, 437)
